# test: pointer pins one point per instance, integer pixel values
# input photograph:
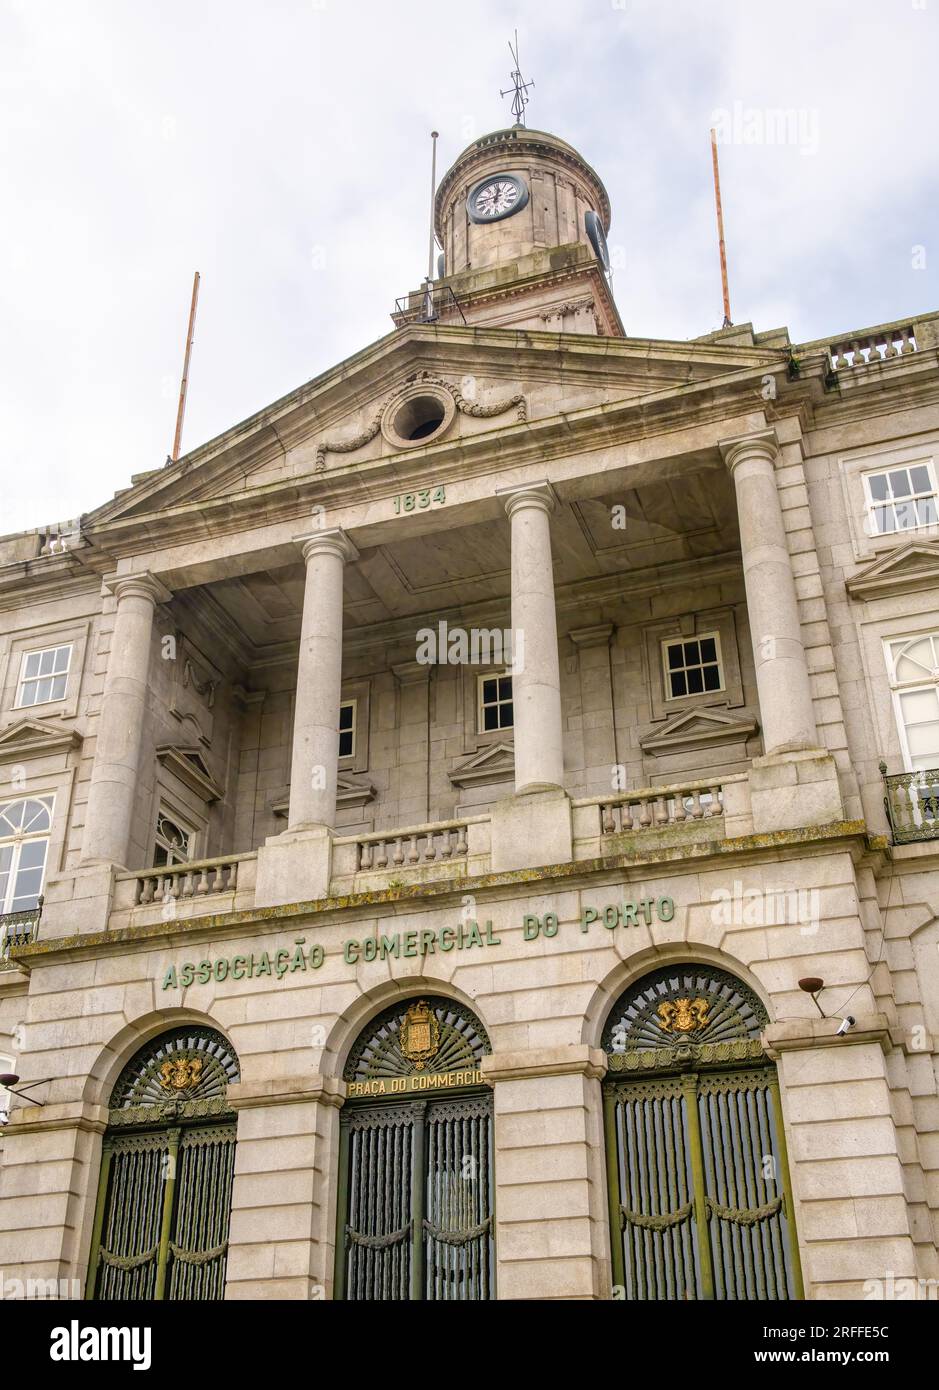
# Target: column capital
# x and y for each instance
(761, 444)
(332, 542)
(141, 585)
(540, 495)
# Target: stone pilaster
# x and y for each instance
(552, 1239)
(281, 1241)
(112, 795)
(852, 1214)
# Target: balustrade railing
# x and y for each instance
(199, 878)
(414, 846)
(878, 346)
(654, 808)
(19, 929)
(911, 801)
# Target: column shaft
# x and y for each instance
(112, 794)
(315, 757)
(782, 673)
(536, 677)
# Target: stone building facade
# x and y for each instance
(439, 784)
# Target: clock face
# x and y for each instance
(496, 197)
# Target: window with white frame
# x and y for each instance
(44, 676)
(495, 709)
(692, 665)
(347, 729)
(24, 845)
(901, 499)
(913, 664)
(173, 840)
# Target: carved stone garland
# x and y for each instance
(464, 406)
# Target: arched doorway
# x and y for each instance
(164, 1194)
(416, 1165)
(699, 1193)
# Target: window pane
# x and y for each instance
(926, 510)
(712, 678)
(345, 716)
(62, 655)
(32, 664)
(505, 688)
(58, 688)
(490, 687)
(345, 744)
(508, 716)
(924, 741)
(708, 649)
(695, 681)
(692, 653)
(920, 477)
(32, 854)
(491, 717)
(878, 486)
(679, 686)
(900, 482)
(919, 706)
(674, 657)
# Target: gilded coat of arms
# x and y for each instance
(181, 1074)
(682, 1015)
(419, 1034)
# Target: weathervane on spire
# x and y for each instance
(519, 86)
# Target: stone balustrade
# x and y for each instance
(414, 853)
(879, 346)
(655, 807)
(699, 809)
(201, 885)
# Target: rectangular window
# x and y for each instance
(44, 676)
(495, 708)
(173, 841)
(901, 499)
(347, 729)
(692, 665)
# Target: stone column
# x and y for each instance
(315, 759)
(552, 1238)
(536, 680)
(112, 794)
(782, 674)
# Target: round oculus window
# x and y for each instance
(417, 417)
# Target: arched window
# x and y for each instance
(164, 1195)
(415, 1203)
(24, 841)
(700, 1201)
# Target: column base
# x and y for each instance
(531, 829)
(791, 791)
(79, 901)
(294, 867)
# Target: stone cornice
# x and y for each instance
(798, 1035)
(769, 847)
(577, 1059)
(287, 1090)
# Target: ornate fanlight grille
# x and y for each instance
(416, 1194)
(183, 1074)
(428, 1034)
(699, 1193)
(690, 1012)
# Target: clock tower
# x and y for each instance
(522, 219)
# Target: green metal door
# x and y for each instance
(699, 1194)
(416, 1180)
(164, 1191)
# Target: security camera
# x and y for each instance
(845, 1026)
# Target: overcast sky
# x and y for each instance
(282, 149)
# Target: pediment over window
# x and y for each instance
(493, 764)
(904, 570)
(348, 793)
(698, 728)
(30, 738)
(189, 766)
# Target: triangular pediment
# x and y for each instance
(340, 420)
(697, 728)
(30, 738)
(348, 794)
(191, 768)
(493, 764)
(905, 569)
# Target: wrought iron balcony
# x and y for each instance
(19, 928)
(912, 804)
(427, 305)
